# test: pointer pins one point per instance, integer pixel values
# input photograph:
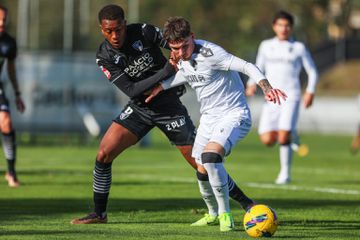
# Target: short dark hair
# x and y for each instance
(111, 12)
(176, 28)
(284, 15)
(4, 9)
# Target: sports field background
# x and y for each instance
(154, 194)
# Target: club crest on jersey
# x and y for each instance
(206, 52)
(137, 45)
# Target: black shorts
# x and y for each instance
(4, 103)
(171, 117)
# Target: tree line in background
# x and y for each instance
(238, 25)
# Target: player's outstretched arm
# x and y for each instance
(12, 76)
(271, 94)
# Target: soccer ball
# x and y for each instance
(260, 221)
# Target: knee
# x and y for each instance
(104, 156)
(268, 140)
(211, 157)
(284, 139)
(5, 125)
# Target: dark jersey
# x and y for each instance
(8, 49)
(139, 64)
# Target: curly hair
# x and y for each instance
(111, 12)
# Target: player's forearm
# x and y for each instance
(134, 89)
(311, 71)
(174, 81)
(312, 81)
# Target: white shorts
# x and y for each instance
(226, 130)
(276, 117)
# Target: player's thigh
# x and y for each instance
(135, 119)
(202, 138)
(289, 116)
(176, 125)
(229, 130)
(269, 118)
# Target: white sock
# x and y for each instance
(218, 179)
(285, 160)
(209, 197)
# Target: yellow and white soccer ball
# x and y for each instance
(260, 221)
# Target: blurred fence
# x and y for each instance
(335, 115)
(63, 93)
(330, 52)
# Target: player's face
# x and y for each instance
(2, 20)
(282, 29)
(184, 48)
(114, 31)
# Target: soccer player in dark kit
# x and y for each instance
(132, 60)
(8, 51)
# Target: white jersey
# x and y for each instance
(281, 61)
(213, 74)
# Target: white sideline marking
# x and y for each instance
(298, 188)
(251, 184)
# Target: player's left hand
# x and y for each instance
(20, 104)
(274, 95)
(308, 99)
(155, 91)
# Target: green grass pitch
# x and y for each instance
(154, 194)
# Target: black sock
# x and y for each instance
(101, 187)
(11, 166)
(238, 195)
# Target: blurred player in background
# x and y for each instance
(225, 117)
(132, 60)
(8, 51)
(355, 144)
(281, 59)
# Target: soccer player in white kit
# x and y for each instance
(225, 116)
(355, 143)
(281, 59)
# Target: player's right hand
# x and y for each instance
(155, 91)
(20, 104)
(274, 95)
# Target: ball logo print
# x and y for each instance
(260, 221)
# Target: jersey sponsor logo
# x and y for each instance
(176, 124)
(196, 78)
(139, 65)
(106, 72)
(138, 45)
(126, 113)
(206, 52)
